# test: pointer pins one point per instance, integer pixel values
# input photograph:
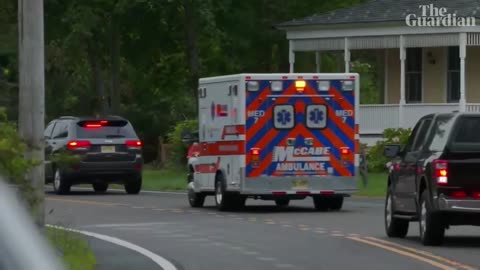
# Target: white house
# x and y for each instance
(430, 54)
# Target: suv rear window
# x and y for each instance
(96, 129)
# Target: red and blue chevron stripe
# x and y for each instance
(339, 132)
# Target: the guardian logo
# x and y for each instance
(431, 16)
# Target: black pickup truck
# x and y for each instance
(435, 177)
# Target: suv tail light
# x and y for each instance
(134, 143)
(78, 144)
(440, 171)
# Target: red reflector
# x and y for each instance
(255, 151)
(248, 77)
(77, 144)
(316, 77)
(457, 194)
(303, 192)
(104, 122)
(279, 193)
(133, 143)
(345, 151)
(137, 166)
(284, 77)
(396, 166)
(327, 192)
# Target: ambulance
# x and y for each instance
(277, 137)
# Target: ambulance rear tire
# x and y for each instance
(282, 202)
(195, 199)
(321, 203)
(223, 200)
(336, 203)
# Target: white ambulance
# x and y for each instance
(278, 137)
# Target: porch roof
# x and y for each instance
(383, 11)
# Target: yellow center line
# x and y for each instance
(404, 253)
(82, 201)
(424, 253)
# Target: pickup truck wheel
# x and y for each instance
(195, 199)
(321, 203)
(336, 203)
(432, 230)
(394, 227)
(282, 202)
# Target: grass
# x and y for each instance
(165, 179)
(376, 187)
(73, 249)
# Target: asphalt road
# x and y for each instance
(261, 236)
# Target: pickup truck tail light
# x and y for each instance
(457, 194)
(440, 171)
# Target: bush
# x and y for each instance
(13, 165)
(375, 159)
(177, 158)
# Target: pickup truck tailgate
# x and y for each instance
(464, 171)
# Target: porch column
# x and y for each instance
(347, 57)
(403, 57)
(463, 54)
(318, 61)
(291, 55)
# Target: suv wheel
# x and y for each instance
(394, 227)
(134, 185)
(100, 187)
(432, 229)
(61, 185)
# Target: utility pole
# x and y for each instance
(32, 94)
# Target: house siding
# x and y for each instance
(393, 84)
(472, 64)
(434, 76)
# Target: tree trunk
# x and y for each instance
(32, 99)
(115, 67)
(96, 82)
(192, 50)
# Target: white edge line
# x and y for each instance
(160, 261)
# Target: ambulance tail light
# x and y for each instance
(255, 157)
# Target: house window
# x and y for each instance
(453, 75)
(414, 75)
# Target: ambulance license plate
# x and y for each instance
(299, 183)
(108, 148)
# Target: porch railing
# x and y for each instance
(375, 118)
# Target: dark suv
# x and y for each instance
(91, 150)
(434, 178)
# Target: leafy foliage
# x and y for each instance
(13, 165)
(375, 159)
(179, 148)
